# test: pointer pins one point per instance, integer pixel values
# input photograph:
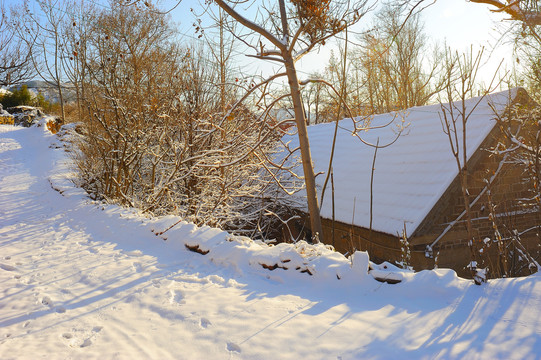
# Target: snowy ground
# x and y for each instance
(81, 280)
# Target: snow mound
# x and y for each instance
(301, 260)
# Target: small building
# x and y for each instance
(414, 191)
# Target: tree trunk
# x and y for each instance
(287, 55)
(306, 156)
(57, 76)
(300, 120)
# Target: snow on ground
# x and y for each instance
(83, 280)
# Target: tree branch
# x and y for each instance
(513, 9)
(250, 25)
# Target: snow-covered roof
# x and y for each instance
(410, 175)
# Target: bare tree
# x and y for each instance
(520, 148)
(393, 66)
(341, 73)
(519, 145)
(75, 42)
(313, 97)
(461, 74)
(50, 49)
(394, 60)
(283, 34)
(15, 49)
(222, 53)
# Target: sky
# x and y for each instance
(457, 23)
(462, 24)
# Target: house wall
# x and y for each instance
(380, 246)
(507, 186)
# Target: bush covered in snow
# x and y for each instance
(159, 136)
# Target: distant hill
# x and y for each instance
(49, 92)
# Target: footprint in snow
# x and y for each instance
(137, 266)
(46, 301)
(7, 267)
(134, 253)
(233, 347)
(176, 297)
(97, 329)
(28, 281)
(205, 323)
(93, 251)
(77, 343)
(156, 283)
(81, 340)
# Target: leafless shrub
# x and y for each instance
(157, 137)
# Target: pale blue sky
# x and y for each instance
(459, 23)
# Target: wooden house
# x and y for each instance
(414, 191)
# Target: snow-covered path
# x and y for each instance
(80, 280)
